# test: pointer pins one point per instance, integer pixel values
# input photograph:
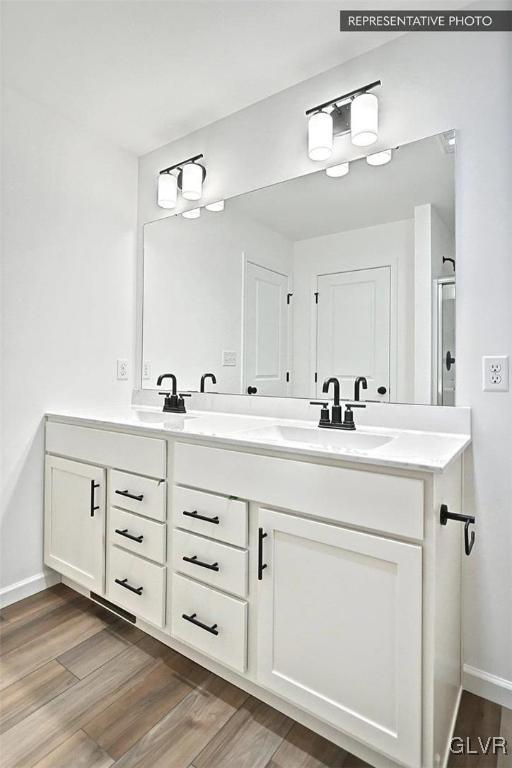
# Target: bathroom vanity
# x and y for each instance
(309, 568)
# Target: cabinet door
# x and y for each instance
(339, 629)
(74, 521)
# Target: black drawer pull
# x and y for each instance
(93, 487)
(215, 520)
(127, 535)
(192, 618)
(195, 561)
(129, 495)
(124, 583)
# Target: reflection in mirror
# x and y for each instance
(349, 276)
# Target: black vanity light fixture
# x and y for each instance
(356, 112)
(187, 176)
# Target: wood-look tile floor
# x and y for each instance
(82, 689)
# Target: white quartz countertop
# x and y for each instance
(401, 448)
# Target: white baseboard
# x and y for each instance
(27, 587)
(488, 686)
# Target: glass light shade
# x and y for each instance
(192, 181)
(335, 171)
(194, 213)
(320, 136)
(380, 158)
(364, 120)
(167, 190)
(218, 206)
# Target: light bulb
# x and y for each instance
(193, 213)
(364, 119)
(336, 171)
(320, 136)
(167, 190)
(192, 181)
(218, 206)
(380, 158)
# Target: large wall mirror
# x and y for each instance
(311, 278)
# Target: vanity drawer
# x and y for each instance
(218, 517)
(217, 564)
(138, 494)
(133, 453)
(381, 501)
(138, 534)
(223, 635)
(141, 575)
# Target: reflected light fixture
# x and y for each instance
(218, 206)
(380, 158)
(355, 112)
(320, 135)
(336, 171)
(193, 213)
(188, 176)
(167, 190)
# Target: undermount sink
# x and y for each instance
(323, 438)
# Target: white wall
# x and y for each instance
(431, 83)
(69, 212)
(193, 283)
(388, 244)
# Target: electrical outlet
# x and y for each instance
(228, 358)
(122, 370)
(146, 369)
(495, 373)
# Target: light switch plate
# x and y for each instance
(228, 357)
(122, 370)
(495, 373)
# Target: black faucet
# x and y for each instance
(336, 408)
(359, 382)
(203, 379)
(335, 421)
(173, 402)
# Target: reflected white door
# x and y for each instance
(353, 331)
(265, 331)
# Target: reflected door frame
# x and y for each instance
(392, 264)
(438, 356)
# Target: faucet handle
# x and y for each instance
(324, 413)
(355, 405)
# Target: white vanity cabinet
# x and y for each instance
(74, 521)
(339, 628)
(327, 587)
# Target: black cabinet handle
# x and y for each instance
(127, 535)
(469, 540)
(215, 520)
(192, 618)
(124, 583)
(450, 360)
(93, 487)
(251, 390)
(133, 496)
(195, 561)
(381, 390)
(261, 565)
